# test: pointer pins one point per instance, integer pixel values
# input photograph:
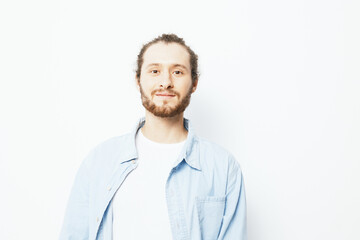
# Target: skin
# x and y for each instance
(165, 70)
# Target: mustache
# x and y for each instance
(162, 92)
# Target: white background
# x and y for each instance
(279, 88)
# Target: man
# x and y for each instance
(161, 181)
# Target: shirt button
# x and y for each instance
(133, 161)
(97, 219)
(109, 189)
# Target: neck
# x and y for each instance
(164, 130)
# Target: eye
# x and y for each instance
(178, 72)
(154, 71)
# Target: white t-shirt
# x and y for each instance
(139, 206)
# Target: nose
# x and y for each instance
(165, 80)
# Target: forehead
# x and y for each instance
(163, 53)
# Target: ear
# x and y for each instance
(194, 85)
(137, 83)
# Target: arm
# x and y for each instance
(234, 219)
(76, 220)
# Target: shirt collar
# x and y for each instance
(190, 152)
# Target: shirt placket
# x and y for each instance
(175, 208)
(111, 190)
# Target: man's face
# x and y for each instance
(165, 82)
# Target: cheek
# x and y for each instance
(184, 88)
(146, 86)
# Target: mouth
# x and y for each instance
(164, 95)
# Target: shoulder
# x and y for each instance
(109, 150)
(214, 155)
(112, 144)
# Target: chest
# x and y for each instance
(188, 202)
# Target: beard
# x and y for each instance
(165, 111)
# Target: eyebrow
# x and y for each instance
(173, 65)
(180, 65)
(152, 65)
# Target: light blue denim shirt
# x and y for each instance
(205, 190)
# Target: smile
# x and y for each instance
(165, 95)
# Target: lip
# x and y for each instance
(164, 95)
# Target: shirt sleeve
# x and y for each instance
(234, 219)
(76, 220)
